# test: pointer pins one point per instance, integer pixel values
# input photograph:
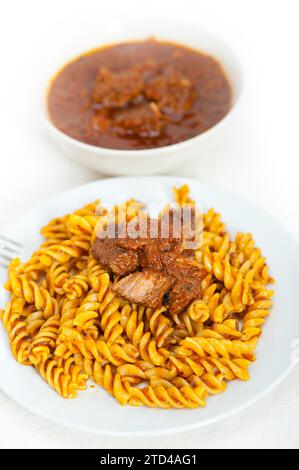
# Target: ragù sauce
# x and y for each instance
(139, 95)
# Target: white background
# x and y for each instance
(259, 161)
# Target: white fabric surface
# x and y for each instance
(259, 161)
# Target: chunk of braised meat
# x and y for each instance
(140, 232)
(156, 237)
(133, 235)
(149, 256)
(114, 258)
(185, 276)
(146, 287)
(190, 223)
(192, 226)
(177, 266)
(183, 292)
(171, 236)
(101, 120)
(173, 93)
(183, 220)
(115, 89)
(166, 271)
(142, 120)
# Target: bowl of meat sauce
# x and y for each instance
(144, 105)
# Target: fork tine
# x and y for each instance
(5, 260)
(9, 249)
(9, 240)
(5, 257)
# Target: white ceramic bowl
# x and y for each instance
(162, 159)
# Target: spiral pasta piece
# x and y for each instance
(81, 226)
(44, 342)
(61, 252)
(255, 318)
(212, 222)
(162, 393)
(77, 286)
(64, 376)
(34, 321)
(94, 272)
(55, 230)
(116, 354)
(182, 195)
(199, 311)
(230, 369)
(109, 310)
(215, 347)
(92, 208)
(57, 276)
(33, 294)
(16, 328)
(87, 312)
(159, 325)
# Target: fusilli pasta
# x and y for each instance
(65, 320)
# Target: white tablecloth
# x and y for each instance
(259, 160)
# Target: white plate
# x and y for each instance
(94, 410)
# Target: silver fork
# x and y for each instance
(9, 249)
